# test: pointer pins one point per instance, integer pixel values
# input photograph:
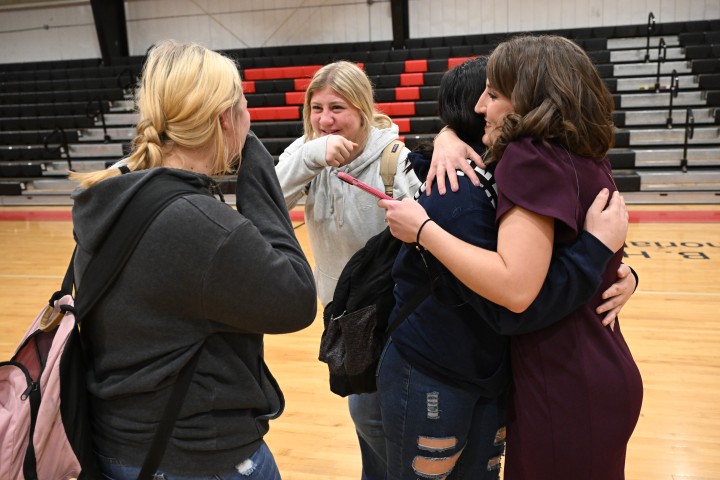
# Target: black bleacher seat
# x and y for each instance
(599, 56)
(287, 129)
(272, 86)
(406, 79)
(277, 145)
(46, 123)
(709, 81)
(52, 64)
(265, 100)
(698, 38)
(11, 188)
(34, 137)
(627, 180)
(694, 52)
(20, 170)
(622, 139)
(400, 94)
(29, 152)
(54, 109)
(67, 96)
(706, 65)
(621, 158)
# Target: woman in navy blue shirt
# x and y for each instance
(445, 373)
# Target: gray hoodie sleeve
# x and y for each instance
(298, 165)
(277, 291)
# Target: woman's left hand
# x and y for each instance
(404, 218)
(451, 153)
(609, 224)
(616, 296)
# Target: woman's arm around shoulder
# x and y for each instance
(574, 276)
(451, 154)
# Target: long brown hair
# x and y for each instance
(556, 93)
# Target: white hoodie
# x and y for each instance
(340, 217)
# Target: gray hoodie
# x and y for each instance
(340, 217)
(203, 276)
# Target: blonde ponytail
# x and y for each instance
(184, 88)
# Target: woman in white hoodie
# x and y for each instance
(343, 132)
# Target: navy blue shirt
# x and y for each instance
(459, 337)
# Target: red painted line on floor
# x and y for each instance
(650, 216)
(65, 216)
(36, 215)
(297, 216)
(693, 216)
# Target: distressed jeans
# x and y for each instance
(434, 430)
(260, 466)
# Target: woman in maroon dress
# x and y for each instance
(577, 390)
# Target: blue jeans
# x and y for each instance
(365, 413)
(260, 466)
(435, 430)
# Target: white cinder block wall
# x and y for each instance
(64, 29)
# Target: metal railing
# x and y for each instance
(94, 110)
(689, 132)
(662, 55)
(674, 90)
(62, 148)
(127, 80)
(650, 29)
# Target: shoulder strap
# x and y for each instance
(156, 194)
(167, 423)
(388, 164)
(151, 199)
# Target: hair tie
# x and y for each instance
(417, 238)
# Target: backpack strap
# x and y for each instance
(150, 199)
(105, 265)
(388, 164)
(167, 423)
(147, 203)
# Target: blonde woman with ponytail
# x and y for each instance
(203, 277)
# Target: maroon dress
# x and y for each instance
(577, 390)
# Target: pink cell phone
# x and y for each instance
(371, 190)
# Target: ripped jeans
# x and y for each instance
(260, 466)
(434, 430)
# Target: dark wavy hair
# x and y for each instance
(556, 93)
(460, 89)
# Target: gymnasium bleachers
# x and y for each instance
(665, 79)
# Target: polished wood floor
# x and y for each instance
(672, 325)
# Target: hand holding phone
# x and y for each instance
(371, 190)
